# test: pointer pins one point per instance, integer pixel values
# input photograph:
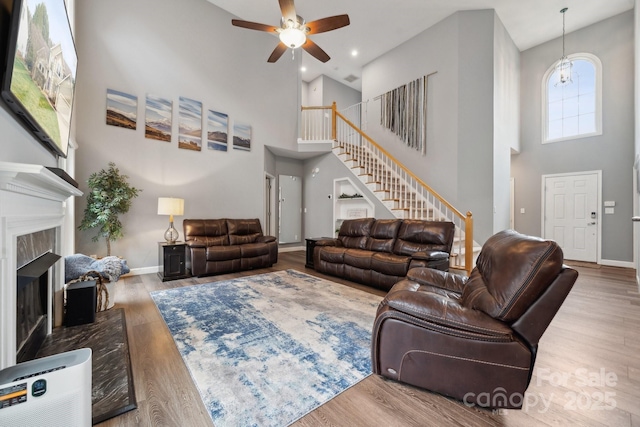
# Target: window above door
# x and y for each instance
(572, 110)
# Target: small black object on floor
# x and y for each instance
(80, 307)
(112, 391)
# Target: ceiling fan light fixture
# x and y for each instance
(293, 31)
(293, 37)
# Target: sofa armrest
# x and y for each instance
(433, 255)
(265, 239)
(444, 312)
(438, 278)
(328, 242)
(196, 243)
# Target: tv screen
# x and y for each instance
(40, 73)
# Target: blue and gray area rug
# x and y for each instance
(265, 350)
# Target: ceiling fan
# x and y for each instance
(293, 31)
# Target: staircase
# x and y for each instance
(404, 194)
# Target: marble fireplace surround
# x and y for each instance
(32, 199)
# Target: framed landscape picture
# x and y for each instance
(158, 118)
(241, 137)
(122, 109)
(217, 134)
(190, 120)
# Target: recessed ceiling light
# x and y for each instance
(354, 52)
(303, 69)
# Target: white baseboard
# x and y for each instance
(292, 249)
(614, 263)
(144, 270)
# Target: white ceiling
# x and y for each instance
(377, 26)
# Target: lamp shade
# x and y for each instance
(170, 206)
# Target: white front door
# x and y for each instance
(572, 214)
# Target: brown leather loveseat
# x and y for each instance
(380, 252)
(473, 338)
(227, 245)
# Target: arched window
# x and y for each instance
(572, 110)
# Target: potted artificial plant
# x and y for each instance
(110, 195)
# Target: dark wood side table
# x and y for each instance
(311, 244)
(172, 258)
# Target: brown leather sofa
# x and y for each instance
(380, 252)
(476, 338)
(227, 245)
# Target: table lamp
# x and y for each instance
(170, 206)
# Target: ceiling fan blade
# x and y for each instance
(314, 50)
(253, 25)
(288, 10)
(328, 24)
(277, 52)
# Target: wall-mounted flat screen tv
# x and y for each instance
(40, 74)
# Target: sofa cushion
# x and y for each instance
(242, 231)
(205, 232)
(418, 235)
(358, 258)
(390, 264)
(222, 253)
(332, 254)
(356, 274)
(383, 281)
(511, 272)
(383, 234)
(355, 232)
(250, 250)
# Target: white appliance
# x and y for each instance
(51, 391)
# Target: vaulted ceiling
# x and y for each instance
(378, 26)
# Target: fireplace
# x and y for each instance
(32, 205)
(32, 295)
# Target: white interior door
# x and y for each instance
(571, 214)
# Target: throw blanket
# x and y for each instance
(110, 268)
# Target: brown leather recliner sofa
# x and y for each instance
(380, 252)
(226, 245)
(473, 338)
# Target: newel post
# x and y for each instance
(468, 242)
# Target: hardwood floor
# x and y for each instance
(587, 370)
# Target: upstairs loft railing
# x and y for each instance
(408, 193)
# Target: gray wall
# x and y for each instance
(475, 120)
(344, 96)
(314, 94)
(612, 152)
(506, 121)
(169, 51)
(323, 90)
(470, 52)
(318, 219)
(434, 50)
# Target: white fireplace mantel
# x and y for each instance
(35, 180)
(32, 198)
